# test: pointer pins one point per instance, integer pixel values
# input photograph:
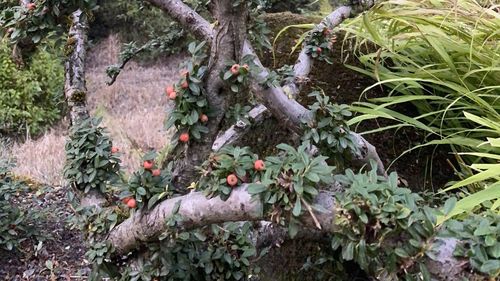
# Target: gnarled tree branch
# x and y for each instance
(187, 17)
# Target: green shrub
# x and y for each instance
(31, 97)
(16, 224)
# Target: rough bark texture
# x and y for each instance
(74, 88)
(186, 16)
(227, 44)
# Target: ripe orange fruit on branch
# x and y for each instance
(148, 164)
(232, 180)
(169, 90)
(184, 137)
(156, 172)
(259, 165)
(204, 118)
(31, 6)
(132, 203)
(126, 199)
(172, 95)
(114, 149)
(235, 69)
(319, 50)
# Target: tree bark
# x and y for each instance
(75, 89)
(227, 45)
(197, 211)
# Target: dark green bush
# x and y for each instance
(30, 97)
(16, 224)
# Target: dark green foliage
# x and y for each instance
(89, 160)
(328, 130)
(384, 228)
(16, 225)
(31, 97)
(148, 189)
(480, 241)
(290, 184)
(48, 18)
(230, 160)
(190, 102)
(216, 252)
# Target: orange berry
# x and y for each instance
(156, 172)
(259, 165)
(126, 199)
(204, 118)
(169, 90)
(114, 149)
(148, 164)
(184, 137)
(31, 6)
(172, 95)
(319, 50)
(132, 203)
(235, 69)
(232, 180)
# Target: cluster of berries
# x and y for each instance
(232, 179)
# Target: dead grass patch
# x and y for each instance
(133, 110)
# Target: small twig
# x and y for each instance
(310, 210)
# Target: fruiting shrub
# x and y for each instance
(31, 96)
(89, 160)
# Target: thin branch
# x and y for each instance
(238, 130)
(304, 62)
(187, 17)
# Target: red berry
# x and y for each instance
(126, 199)
(185, 85)
(259, 165)
(148, 164)
(235, 69)
(156, 172)
(204, 118)
(232, 180)
(132, 203)
(169, 90)
(114, 149)
(318, 50)
(31, 6)
(184, 137)
(172, 95)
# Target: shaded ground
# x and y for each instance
(61, 255)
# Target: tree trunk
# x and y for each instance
(227, 45)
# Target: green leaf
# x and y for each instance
(348, 251)
(401, 252)
(256, 188)
(297, 208)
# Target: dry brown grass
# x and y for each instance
(133, 110)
